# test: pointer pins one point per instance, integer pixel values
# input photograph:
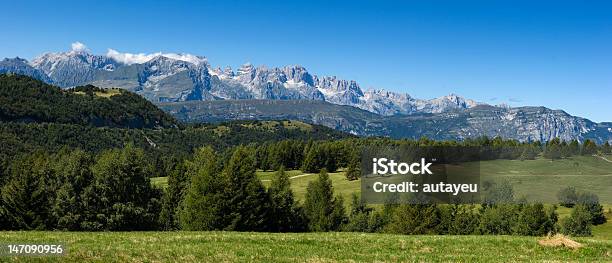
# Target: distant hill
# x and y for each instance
(522, 123)
(24, 99)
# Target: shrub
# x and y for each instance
(414, 219)
(359, 217)
(591, 203)
(498, 219)
(567, 196)
(533, 221)
(579, 222)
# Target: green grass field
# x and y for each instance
(542, 179)
(307, 247)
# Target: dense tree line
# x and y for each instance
(557, 149)
(71, 191)
(312, 156)
(218, 190)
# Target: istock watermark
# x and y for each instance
(479, 175)
(411, 174)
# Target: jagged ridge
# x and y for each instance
(183, 77)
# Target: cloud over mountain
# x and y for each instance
(78, 47)
(139, 58)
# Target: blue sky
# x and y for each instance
(552, 53)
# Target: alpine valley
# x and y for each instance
(192, 90)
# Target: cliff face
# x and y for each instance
(524, 123)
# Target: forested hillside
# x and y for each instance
(25, 99)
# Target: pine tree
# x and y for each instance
(567, 196)
(499, 193)
(574, 147)
(204, 203)
(498, 219)
(606, 149)
(26, 197)
(287, 215)
(353, 172)
(328, 157)
(589, 147)
(529, 152)
(262, 157)
(73, 177)
(465, 221)
(324, 212)
(564, 149)
(359, 217)
(552, 151)
(173, 196)
(311, 162)
(414, 219)
(553, 218)
(122, 196)
(248, 202)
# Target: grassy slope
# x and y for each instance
(312, 247)
(542, 179)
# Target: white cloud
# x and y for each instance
(129, 58)
(139, 58)
(78, 46)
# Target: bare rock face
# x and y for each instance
(522, 123)
(21, 66)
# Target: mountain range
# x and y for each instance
(180, 82)
(180, 77)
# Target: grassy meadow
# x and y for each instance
(306, 247)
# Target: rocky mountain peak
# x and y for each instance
(228, 71)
